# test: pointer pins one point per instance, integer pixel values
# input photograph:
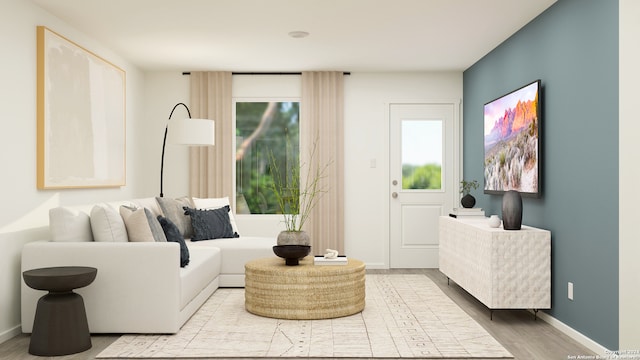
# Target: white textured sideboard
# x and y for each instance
(504, 269)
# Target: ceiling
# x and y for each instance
(345, 35)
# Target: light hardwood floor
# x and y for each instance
(516, 330)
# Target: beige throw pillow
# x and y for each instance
(141, 225)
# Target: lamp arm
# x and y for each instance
(178, 104)
(164, 143)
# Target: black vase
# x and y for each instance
(511, 210)
(468, 201)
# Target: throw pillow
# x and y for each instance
(141, 225)
(210, 224)
(173, 234)
(107, 224)
(149, 203)
(67, 224)
(216, 203)
(172, 210)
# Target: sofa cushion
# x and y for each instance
(107, 224)
(210, 224)
(173, 234)
(68, 224)
(141, 225)
(216, 203)
(172, 209)
(237, 252)
(203, 268)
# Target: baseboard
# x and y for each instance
(377, 266)
(574, 334)
(13, 332)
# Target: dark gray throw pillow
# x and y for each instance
(172, 233)
(210, 224)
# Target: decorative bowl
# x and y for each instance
(292, 253)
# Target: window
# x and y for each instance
(263, 130)
(422, 154)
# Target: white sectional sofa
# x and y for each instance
(140, 286)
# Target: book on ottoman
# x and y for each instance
(321, 260)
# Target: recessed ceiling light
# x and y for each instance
(298, 34)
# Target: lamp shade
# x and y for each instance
(191, 132)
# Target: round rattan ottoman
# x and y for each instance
(305, 291)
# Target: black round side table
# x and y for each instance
(60, 325)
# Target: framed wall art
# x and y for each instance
(80, 116)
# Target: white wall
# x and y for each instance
(24, 210)
(629, 175)
(163, 90)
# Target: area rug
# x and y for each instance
(405, 316)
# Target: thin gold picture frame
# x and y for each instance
(81, 116)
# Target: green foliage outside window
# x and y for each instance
(262, 129)
(425, 177)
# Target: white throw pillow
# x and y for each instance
(107, 224)
(149, 203)
(215, 203)
(66, 224)
(141, 225)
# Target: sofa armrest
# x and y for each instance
(135, 282)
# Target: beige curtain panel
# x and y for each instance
(211, 167)
(322, 116)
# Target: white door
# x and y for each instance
(423, 159)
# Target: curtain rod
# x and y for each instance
(264, 73)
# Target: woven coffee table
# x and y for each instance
(306, 291)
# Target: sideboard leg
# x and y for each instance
(491, 314)
(535, 314)
(447, 281)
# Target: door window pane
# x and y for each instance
(422, 154)
(263, 129)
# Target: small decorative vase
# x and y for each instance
(494, 221)
(511, 210)
(468, 201)
(294, 238)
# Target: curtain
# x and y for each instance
(322, 113)
(211, 167)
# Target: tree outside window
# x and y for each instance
(263, 129)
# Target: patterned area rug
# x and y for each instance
(406, 316)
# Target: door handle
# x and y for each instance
(394, 195)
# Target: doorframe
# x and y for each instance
(457, 156)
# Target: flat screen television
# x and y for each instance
(512, 142)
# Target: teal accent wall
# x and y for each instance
(573, 48)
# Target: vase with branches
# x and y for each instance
(297, 195)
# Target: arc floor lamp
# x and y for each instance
(193, 132)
